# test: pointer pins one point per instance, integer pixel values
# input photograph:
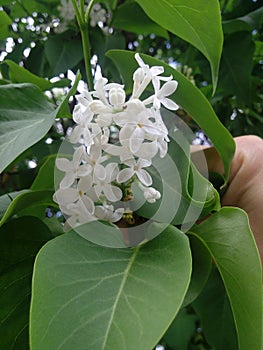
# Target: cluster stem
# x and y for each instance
(83, 23)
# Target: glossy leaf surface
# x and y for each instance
(190, 20)
(230, 241)
(26, 200)
(19, 74)
(90, 296)
(25, 117)
(219, 331)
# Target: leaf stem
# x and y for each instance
(83, 23)
(90, 5)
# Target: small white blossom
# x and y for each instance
(66, 197)
(77, 214)
(161, 94)
(73, 169)
(105, 186)
(135, 168)
(143, 76)
(107, 212)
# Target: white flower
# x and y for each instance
(123, 152)
(138, 129)
(161, 94)
(106, 212)
(111, 192)
(117, 98)
(77, 215)
(66, 197)
(101, 88)
(85, 131)
(94, 159)
(135, 168)
(143, 76)
(147, 150)
(73, 169)
(103, 108)
(84, 99)
(162, 138)
(91, 184)
(151, 194)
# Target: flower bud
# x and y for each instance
(151, 194)
(117, 97)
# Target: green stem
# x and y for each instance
(87, 56)
(90, 5)
(84, 30)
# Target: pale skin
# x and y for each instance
(245, 187)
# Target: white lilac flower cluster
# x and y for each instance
(97, 178)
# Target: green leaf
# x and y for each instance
(20, 240)
(28, 7)
(6, 199)
(188, 97)
(236, 67)
(230, 241)
(25, 117)
(190, 21)
(87, 296)
(45, 176)
(216, 319)
(201, 269)
(5, 21)
(26, 200)
(19, 74)
(63, 109)
(179, 334)
(63, 52)
(185, 194)
(248, 22)
(132, 18)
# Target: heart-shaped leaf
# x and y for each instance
(88, 296)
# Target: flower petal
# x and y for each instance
(168, 89)
(67, 181)
(112, 193)
(63, 164)
(89, 204)
(144, 163)
(147, 150)
(144, 177)
(112, 170)
(136, 139)
(117, 215)
(125, 134)
(85, 183)
(66, 196)
(125, 175)
(100, 172)
(76, 134)
(169, 104)
(84, 170)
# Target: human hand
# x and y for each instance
(245, 187)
